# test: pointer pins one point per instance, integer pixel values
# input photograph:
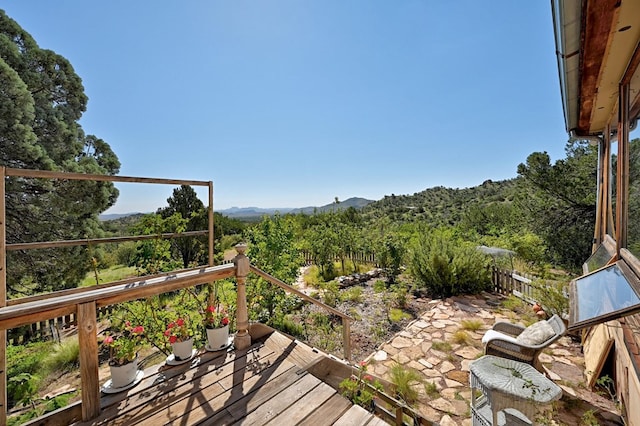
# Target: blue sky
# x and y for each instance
(290, 103)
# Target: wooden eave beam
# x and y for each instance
(597, 24)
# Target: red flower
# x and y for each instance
(171, 324)
(363, 363)
(225, 321)
(138, 329)
(180, 322)
(173, 339)
(211, 309)
(368, 378)
(167, 333)
(108, 340)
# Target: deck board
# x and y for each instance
(280, 402)
(303, 407)
(328, 412)
(355, 416)
(269, 383)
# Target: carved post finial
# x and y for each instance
(242, 339)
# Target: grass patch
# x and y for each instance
(397, 315)
(379, 286)
(431, 389)
(461, 337)
(471, 325)
(352, 294)
(441, 346)
(114, 273)
(64, 357)
(404, 379)
(513, 303)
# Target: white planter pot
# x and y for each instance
(218, 338)
(123, 375)
(182, 350)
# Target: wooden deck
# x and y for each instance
(269, 383)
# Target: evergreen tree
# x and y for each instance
(41, 101)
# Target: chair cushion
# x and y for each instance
(536, 334)
(493, 334)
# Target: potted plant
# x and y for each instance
(181, 339)
(123, 354)
(216, 324)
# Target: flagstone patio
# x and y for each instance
(420, 346)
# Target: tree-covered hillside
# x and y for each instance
(440, 206)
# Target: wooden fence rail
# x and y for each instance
(511, 282)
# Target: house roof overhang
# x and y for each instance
(597, 42)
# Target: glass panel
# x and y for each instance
(598, 259)
(602, 293)
(612, 182)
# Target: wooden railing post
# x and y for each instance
(346, 338)
(88, 340)
(242, 339)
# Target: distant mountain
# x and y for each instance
(355, 202)
(246, 212)
(257, 212)
(114, 216)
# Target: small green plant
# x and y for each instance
(431, 389)
(606, 382)
(471, 325)
(362, 388)
(397, 315)
(589, 418)
(379, 286)
(404, 379)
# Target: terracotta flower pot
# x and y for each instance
(123, 375)
(183, 350)
(218, 337)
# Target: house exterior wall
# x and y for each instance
(627, 381)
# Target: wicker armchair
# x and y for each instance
(504, 344)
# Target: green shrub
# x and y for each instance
(331, 294)
(24, 370)
(448, 267)
(400, 295)
(552, 295)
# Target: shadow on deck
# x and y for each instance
(269, 383)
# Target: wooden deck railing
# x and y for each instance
(85, 302)
(346, 319)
